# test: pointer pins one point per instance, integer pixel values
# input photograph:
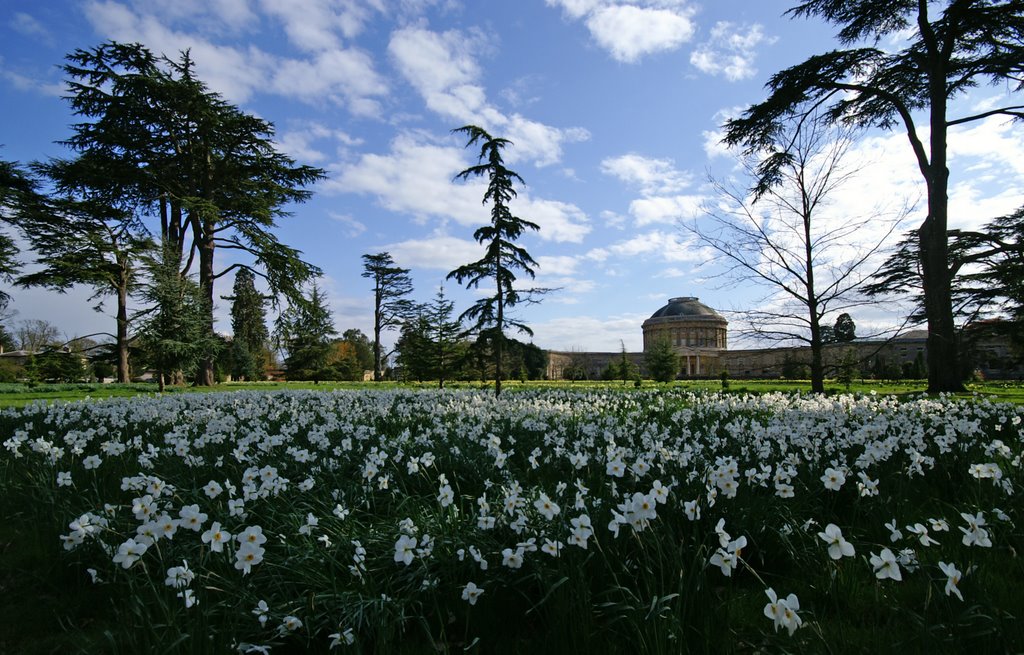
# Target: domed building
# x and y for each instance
(697, 332)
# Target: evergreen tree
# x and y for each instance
(248, 323)
(174, 334)
(391, 285)
(845, 330)
(211, 170)
(431, 346)
(625, 370)
(447, 347)
(415, 350)
(84, 235)
(502, 257)
(662, 361)
(944, 54)
(17, 192)
(305, 330)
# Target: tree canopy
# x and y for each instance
(945, 53)
(209, 170)
(391, 285)
(503, 258)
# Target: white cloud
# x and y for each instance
(315, 25)
(25, 24)
(443, 68)
(730, 51)
(666, 245)
(713, 146)
(442, 253)
(665, 209)
(415, 178)
(343, 76)
(297, 141)
(652, 176)
(591, 333)
(631, 30)
(31, 83)
(558, 264)
(353, 228)
(629, 33)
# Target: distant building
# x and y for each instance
(697, 332)
(700, 335)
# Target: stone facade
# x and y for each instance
(698, 333)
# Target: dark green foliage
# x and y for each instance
(502, 257)
(662, 361)
(209, 169)
(845, 330)
(18, 193)
(944, 54)
(174, 335)
(391, 308)
(304, 330)
(56, 366)
(848, 368)
(431, 346)
(251, 339)
(795, 369)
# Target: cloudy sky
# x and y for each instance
(614, 108)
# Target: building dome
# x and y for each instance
(695, 331)
(687, 306)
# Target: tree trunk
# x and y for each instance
(817, 369)
(377, 375)
(943, 355)
(123, 369)
(204, 375)
(500, 332)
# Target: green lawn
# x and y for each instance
(18, 395)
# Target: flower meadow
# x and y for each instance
(548, 520)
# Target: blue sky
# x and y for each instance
(613, 107)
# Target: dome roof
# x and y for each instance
(687, 307)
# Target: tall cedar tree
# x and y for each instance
(790, 242)
(968, 42)
(502, 257)
(249, 326)
(210, 170)
(89, 232)
(391, 285)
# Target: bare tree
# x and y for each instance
(35, 334)
(782, 237)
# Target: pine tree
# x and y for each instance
(211, 170)
(662, 361)
(391, 285)
(845, 330)
(248, 323)
(502, 257)
(173, 332)
(305, 330)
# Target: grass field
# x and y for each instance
(18, 395)
(561, 518)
